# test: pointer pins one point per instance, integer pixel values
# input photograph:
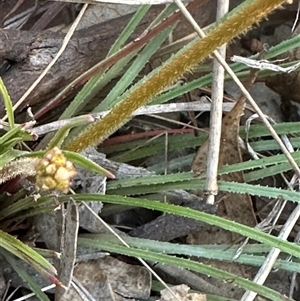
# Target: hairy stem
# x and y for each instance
(252, 11)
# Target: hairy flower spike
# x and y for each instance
(23, 167)
(245, 16)
(54, 171)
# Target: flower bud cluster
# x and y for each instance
(54, 171)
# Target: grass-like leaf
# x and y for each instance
(24, 275)
(253, 255)
(88, 164)
(187, 264)
(290, 248)
(24, 252)
(8, 104)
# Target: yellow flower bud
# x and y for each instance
(54, 171)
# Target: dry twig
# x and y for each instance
(211, 185)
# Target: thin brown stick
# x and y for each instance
(48, 16)
(16, 6)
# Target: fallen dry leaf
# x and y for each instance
(181, 291)
(235, 206)
(110, 279)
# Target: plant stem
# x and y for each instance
(249, 13)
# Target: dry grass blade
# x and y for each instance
(266, 268)
(68, 246)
